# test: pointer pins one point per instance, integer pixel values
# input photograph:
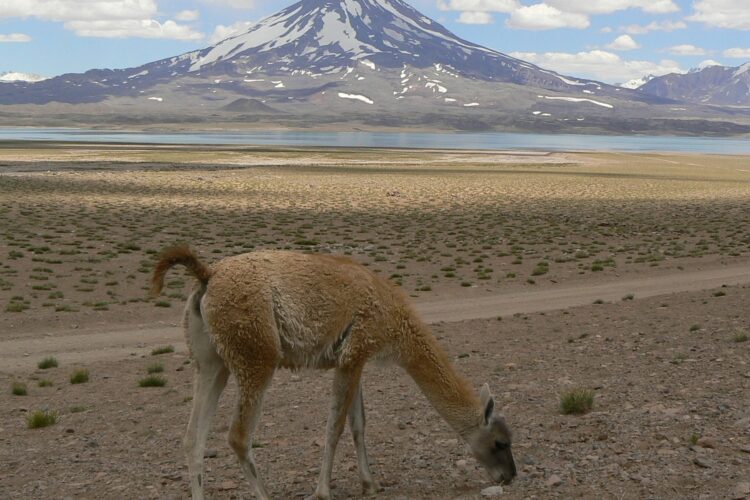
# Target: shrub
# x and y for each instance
(155, 368)
(45, 383)
(41, 418)
(577, 401)
(49, 362)
(541, 268)
(162, 350)
(79, 376)
(18, 389)
(153, 381)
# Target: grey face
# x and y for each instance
(493, 450)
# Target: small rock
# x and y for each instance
(702, 462)
(461, 463)
(554, 480)
(227, 485)
(69, 430)
(742, 490)
(210, 453)
(705, 442)
(745, 448)
(492, 492)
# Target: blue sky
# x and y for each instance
(610, 40)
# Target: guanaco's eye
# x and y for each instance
(501, 446)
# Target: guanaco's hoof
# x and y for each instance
(371, 488)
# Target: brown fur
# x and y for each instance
(179, 254)
(265, 310)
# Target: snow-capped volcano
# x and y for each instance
(375, 63)
(314, 38)
(323, 36)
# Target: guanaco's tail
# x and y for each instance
(180, 254)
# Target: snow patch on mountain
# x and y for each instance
(356, 97)
(577, 99)
(15, 76)
(742, 70)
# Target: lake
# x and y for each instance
(417, 140)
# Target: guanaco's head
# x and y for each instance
(491, 441)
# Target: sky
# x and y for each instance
(608, 40)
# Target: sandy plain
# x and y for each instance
(623, 273)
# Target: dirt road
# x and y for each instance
(79, 346)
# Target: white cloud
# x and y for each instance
(734, 14)
(544, 17)
(610, 6)
(737, 53)
(187, 15)
(104, 18)
(14, 38)
(623, 42)
(133, 28)
(686, 50)
(637, 29)
(79, 10)
(506, 6)
(222, 32)
(599, 65)
(235, 4)
(475, 18)
(550, 14)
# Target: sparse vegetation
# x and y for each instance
(153, 381)
(155, 368)
(162, 350)
(18, 389)
(41, 418)
(48, 362)
(576, 401)
(79, 376)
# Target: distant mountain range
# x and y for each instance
(354, 63)
(716, 85)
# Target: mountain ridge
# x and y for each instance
(374, 63)
(714, 85)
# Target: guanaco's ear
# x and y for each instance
(487, 401)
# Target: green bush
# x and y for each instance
(577, 401)
(41, 418)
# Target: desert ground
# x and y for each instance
(624, 274)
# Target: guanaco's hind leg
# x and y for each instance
(243, 426)
(357, 424)
(209, 381)
(345, 384)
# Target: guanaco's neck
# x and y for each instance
(429, 366)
